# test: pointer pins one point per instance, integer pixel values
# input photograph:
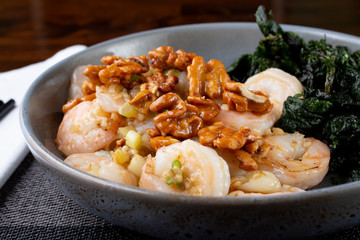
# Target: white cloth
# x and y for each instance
(13, 85)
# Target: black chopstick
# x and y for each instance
(6, 107)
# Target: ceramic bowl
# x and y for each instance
(315, 212)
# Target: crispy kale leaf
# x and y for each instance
(317, 65)
(329, 108)
(304, 115)
(267, 26)
(278, 49)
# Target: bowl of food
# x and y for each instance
(205, 130)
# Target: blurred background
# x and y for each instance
(33, 30)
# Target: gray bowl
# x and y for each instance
(298, 215)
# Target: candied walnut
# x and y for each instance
(232, 139)
(111, 75)
(176, 117)
(216, 77)
(163, 82)
(158, 142)
(153, 132)
(207, 79)
(142, 101)
(235, 101)
(92, 72)
(196, 76)
(252, 146)
(109, 59)
(169, 101)
(120, 143)
(246, 162)
(183, 59)
(124, 71)
(208, 135)
(208, 108)
(73, 102)
(223, 136)
(239, 98)
(150, 87)
(164, 58)
(120, 75)
(88, 87)
(134, 64)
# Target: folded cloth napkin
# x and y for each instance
(14, 84)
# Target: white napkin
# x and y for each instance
(13, 84)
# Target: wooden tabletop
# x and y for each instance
(33, 30)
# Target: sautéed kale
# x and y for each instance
(329, 108)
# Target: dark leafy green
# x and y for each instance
(304, 114)
(329, 108)
(278, 49)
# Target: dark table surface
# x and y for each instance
(31, 207)
(31, 31)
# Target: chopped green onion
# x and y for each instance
(133, 140)
(176, 163)
(133, 78)
(127, 110)
(172, 71)
(175, 174)
(115, 88)
(122, 131)
(169, 181)
(120, 157)
(119, 88)
(136, 164)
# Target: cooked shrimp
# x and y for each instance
(77, 79)
(284, 190)
(295, 160)
(111, 97)
(275, 83)
(186, 167)
(257, 123)
(86, 128)
(182, 87)
(101, 165)
(258, 182)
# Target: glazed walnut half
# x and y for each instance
(176, 117)
(207, 79)
(161, 141)
(163, 58)
(208, 108)
(223, 136)
(124, 71)
(239, 98)
(163, 82)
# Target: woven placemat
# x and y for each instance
(31, 207)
